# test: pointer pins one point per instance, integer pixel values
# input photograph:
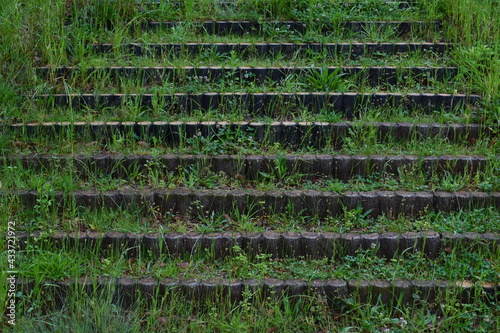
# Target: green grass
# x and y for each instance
(312, 58)
(43, 261)
(187, 33)
(155, 175)
(361, 140)
(311, 79)
(309, 314)
(60, 33)
(233, 109)
(47, 217)
(317, 11)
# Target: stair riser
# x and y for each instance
(250, 167)
(258, 203)
(316, 135)
(308, 245)
(269, 104)
(373, 76)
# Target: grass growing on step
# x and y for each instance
(199, 177)
(317, 11)
(189, 33)
(310, 58)
(307, 314)
(185, 79)
(70, 175)
(235, 106)
(361, 139)
(77, 260)
(46, 216)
